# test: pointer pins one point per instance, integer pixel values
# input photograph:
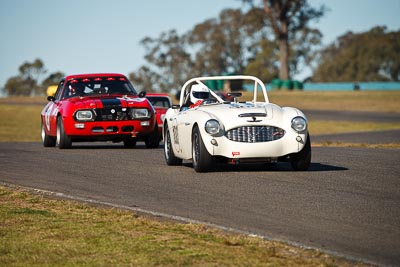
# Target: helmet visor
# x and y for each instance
(201, 95)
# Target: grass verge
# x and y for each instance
(345, 144)
(36, 230)
(20, 123)
(319, 127)
(372, 101)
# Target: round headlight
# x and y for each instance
(299, 124)
(212, 127)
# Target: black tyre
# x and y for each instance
(169, 155)
(63, 141)
(202, 160)
(48, 141)
(153, 140)
(130, 142)
(301, 161)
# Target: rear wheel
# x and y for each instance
(48, 141)
(63, 140)
(169, 155)
(301, 161)
(202, 160)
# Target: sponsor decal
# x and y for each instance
(175, 132)
(235, 153)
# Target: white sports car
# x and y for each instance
(206, 129)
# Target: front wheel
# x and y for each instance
(202, 160)
(169, 155)
(48, 141)
(63, 140)
(301, 161)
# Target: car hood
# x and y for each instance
(109, 101)
(235, 114)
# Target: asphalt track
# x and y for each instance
(347, 203)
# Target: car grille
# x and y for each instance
(116, 113)
(255, 134)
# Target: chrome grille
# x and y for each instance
(255, 134)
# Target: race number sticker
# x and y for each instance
(175, 132)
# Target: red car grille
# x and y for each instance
(112, 114)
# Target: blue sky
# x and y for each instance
(80, 36)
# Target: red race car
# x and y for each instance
(98, 107)
(161, 102)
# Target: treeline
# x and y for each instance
(268, 41)
(242, 43)
(27, 81)
(368, 56)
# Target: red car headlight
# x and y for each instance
(140, 113)
(84, 115)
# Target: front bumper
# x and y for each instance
(222, 146)
(133, 128)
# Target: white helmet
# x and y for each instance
(199, 92)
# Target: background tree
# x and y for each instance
(236, 41)
(264, 64)
(168, 54)
(368, 56)
(27, 82)
(287, 18)
(221, 44)
(217, 46)
(145, 79)
(53, 79)
(16, 86)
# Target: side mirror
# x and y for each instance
(142, 94)
(50, 98)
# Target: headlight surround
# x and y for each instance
(84, 115)
(299, 124)
(213, 127)
(140, 113)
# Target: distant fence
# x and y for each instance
(362, 86)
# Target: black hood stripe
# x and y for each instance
(113, 102)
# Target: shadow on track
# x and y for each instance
(278, 167)
(88, 145)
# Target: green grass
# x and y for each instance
(346, 144)
(20, 123)
(319, 127)
(36, 230)
(373, 101)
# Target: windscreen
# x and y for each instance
(159, 102)
(97, 86)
